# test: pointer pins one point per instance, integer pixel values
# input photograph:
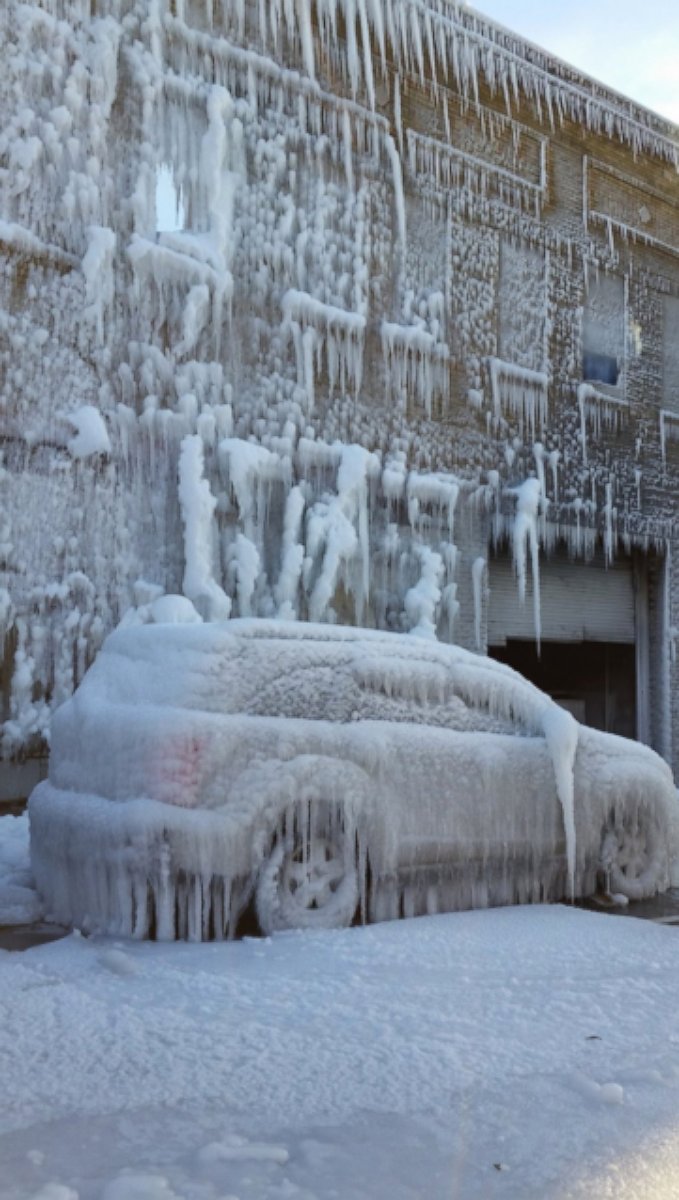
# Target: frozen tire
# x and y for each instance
(309, 880)
(632, 857)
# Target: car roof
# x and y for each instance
(218, 666)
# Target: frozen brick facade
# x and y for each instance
(355, 310)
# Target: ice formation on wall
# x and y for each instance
(520, 392)
(526, 541)
(198, 506)
(253, 256)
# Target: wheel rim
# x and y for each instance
(632, 853)
(312, 874)
(310, 879)
(631, 859)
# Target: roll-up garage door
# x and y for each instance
(578, 602)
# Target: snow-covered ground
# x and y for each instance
(516, 1053)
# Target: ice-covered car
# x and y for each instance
(327, 773)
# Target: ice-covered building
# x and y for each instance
(356, 310)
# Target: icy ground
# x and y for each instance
(528, 1054)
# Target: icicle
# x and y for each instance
(244, 567)
(198, 507)
(525, 536)
(397, 177)
(423, 599)
(367, 52)
(478, 572)
(337, 528)
(292, 555)
(561, 733)
(347, 150)
(340, 334)
(306, 36)
(97, 267)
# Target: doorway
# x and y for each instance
(595, 681)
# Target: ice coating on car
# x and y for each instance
(420, 777)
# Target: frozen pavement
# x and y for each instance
(528, 1054)
(516, 1053)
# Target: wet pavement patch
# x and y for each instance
(663, 909)
(24, 937)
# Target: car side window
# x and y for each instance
(314, 693)
(421, 693)
(363, 687)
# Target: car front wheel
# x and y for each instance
(309, 880)
(632, 857)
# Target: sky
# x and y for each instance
(632, 46)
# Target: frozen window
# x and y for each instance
(169, 204)
(602, 368)
(415, 694)
(319, 693)
(603, 332)
(522, 306)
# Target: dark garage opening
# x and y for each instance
(596, 681)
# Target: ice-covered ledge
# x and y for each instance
(20, 240)
(449, 167)
(418, 363)
(167, 261)
(520, 392)
(600, 409)
(324, 333)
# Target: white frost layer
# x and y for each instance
(92, 436)
(174, 610)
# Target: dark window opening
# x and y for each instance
(600, 368)
(596, 681)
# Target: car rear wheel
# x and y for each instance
(632, 857)
(309, 880)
